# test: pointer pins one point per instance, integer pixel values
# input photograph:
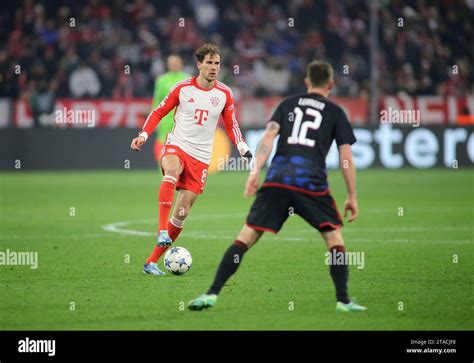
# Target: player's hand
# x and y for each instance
(248, 156)
(137, 143)
(351, 206)
(244, 151)
(251, 186)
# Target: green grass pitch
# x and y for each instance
(418, 271)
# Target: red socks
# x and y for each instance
(175, 226)
(165, 200)
(156, 254)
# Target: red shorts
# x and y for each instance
(194, 174)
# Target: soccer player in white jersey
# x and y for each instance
(185, 157)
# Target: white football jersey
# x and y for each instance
(196, 116)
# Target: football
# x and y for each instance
(178, 260)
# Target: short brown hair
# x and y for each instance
(206, 49)
(319, 73)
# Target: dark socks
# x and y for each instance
(339, 274)
(229, 264)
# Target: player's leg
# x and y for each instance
(184, 202)
(228, 266)
(339, 271)
(320, 211)
(172, 169)
(189, 177)
(233, 257)
(268, 213)
(191, 184)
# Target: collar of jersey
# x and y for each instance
(195, 84)
(317, 94)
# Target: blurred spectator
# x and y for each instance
(272, 76)
(268, 42)
(42, 103)
(84, 82)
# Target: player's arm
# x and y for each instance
(264, 150)
(348, 170)
(168, 104)
(233, 130)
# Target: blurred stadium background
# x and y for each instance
(104, 56)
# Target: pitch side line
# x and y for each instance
(117, 228)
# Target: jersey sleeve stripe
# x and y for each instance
(223, 86)
(235, 136)
(225, 89)
(146, 121)
(236, 128)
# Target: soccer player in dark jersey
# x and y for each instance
(297, 181)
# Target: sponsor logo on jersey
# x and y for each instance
(191, 100)
(200, 115)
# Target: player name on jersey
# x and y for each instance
(311, 102)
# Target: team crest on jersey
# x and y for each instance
(215, 101)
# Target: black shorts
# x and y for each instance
(274, 205)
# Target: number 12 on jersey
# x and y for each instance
(298, 134)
